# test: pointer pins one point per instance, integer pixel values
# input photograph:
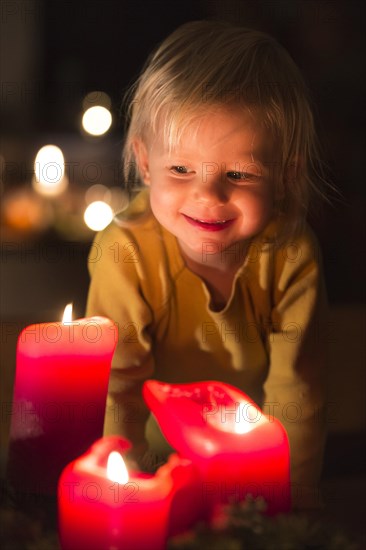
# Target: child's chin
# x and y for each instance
(205, 243)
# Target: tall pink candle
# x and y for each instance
(238, 449)
(61, 382)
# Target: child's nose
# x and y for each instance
(211, 190)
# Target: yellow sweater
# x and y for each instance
(267, 341)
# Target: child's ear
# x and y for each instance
(142, 159)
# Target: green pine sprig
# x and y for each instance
(245, 526)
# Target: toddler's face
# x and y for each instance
(215, 188)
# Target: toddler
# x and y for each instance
(211, 272)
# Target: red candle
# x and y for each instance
(237, 449)
(101, 507)
(60, 390)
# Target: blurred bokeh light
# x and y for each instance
(97, 120)
(49, 170)
(98, 215)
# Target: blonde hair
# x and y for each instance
(207, 64)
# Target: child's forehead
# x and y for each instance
(239, 129)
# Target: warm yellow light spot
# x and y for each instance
(97, 120)
(116, 468)
(98, 215)
(49, 169)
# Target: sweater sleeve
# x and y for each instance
(295, 386)
(115, 292)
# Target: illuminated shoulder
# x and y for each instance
(303, 244)
(131, 223)
(137, 212)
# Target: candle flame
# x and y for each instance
(67, 317)
(240, 418)
(116, 468)
(242, 424)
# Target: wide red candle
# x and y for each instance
(238, 449)
(101, 510)
(61, 382)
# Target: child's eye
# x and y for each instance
(179, 169)
(242, 176)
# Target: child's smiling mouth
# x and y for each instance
(209, 225)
